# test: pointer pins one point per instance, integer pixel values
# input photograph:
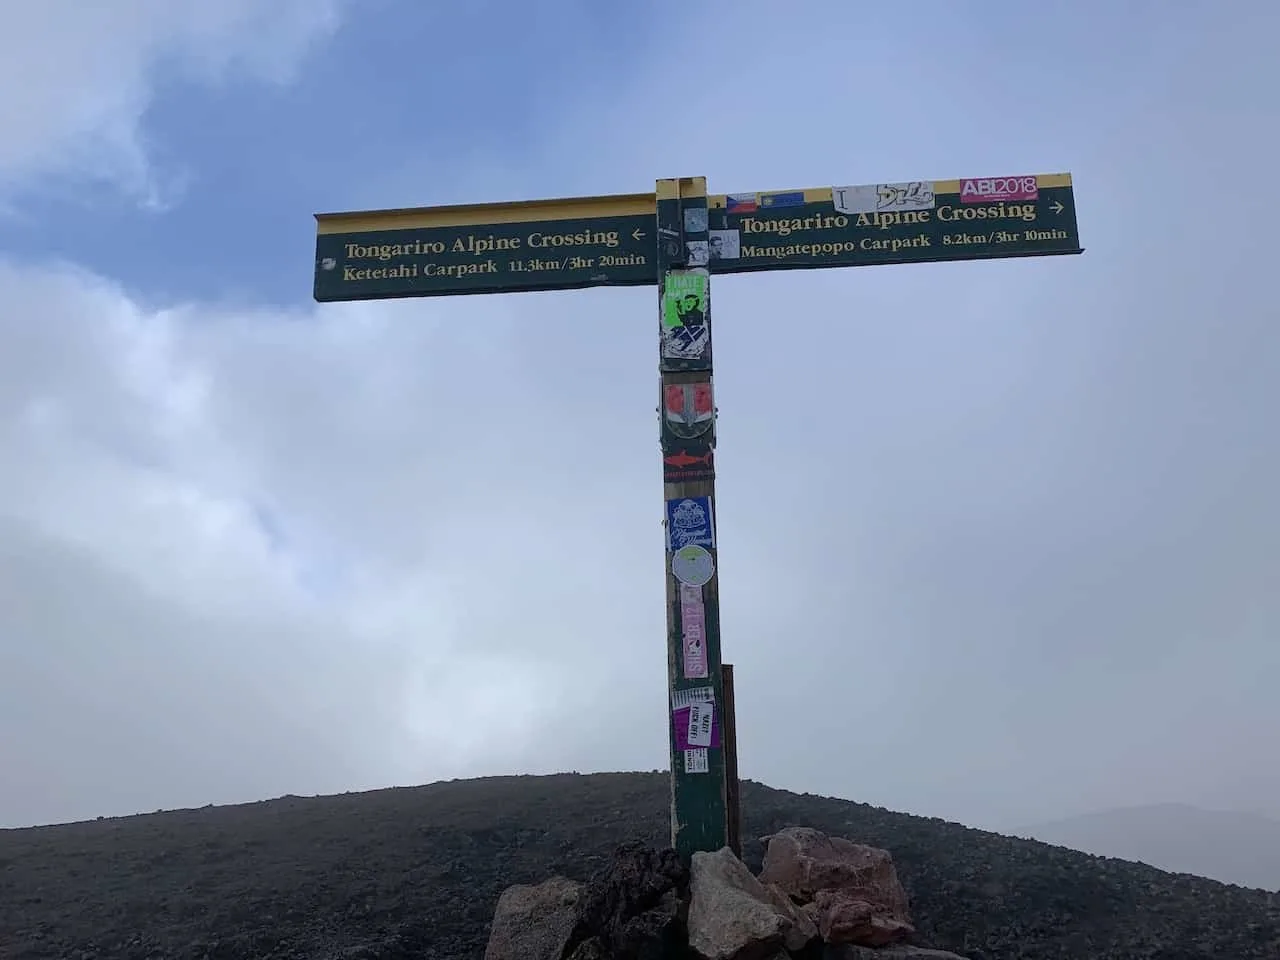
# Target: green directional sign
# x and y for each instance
(610, 241)
(491, 248)
(914, 222)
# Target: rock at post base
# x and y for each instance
(850, 890)
(817, 898)
(592, 949)
(534, 922)
(731, 915)
(802, 861)
(843, 919)
(850, 952)
(632, 910)
(802, 930)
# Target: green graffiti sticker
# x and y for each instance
(685, 332)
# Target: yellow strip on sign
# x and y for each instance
(479, 214)
(823, 194)
(571, 208)
(683, 188)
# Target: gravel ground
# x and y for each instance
(415, 872)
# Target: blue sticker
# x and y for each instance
(792, 198)
(689, 523)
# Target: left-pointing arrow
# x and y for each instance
(637, 234)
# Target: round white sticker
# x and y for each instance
(693, 565)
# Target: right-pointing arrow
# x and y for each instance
(1057, 206)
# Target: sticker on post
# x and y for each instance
(693, 630)
(687, 463)
(696, 726)
(690, 696)
(786, 198)
(685, 331)
(690, 523)
(993, 189)
(701, 717)
(696, 253)
(697, 761)
(688, 408)
(725, 245)
(741, 203)
(693, 565)
(884, 197)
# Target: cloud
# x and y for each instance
(997, 538)
(78, 79)
(285, 540)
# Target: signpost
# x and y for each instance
(677, 238)
(486, 248)
(894, 223)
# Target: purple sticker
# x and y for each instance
(693, 626)
(996, 189)
(680, 717)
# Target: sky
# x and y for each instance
(998, 540)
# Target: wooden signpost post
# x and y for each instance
(676, 239)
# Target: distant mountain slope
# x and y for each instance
(415, 872)
(1238, 848)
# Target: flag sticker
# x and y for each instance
(790, 198)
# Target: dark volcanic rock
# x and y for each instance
(631, 908)
(415, 873)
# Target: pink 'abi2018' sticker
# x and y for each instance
(994, 189)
